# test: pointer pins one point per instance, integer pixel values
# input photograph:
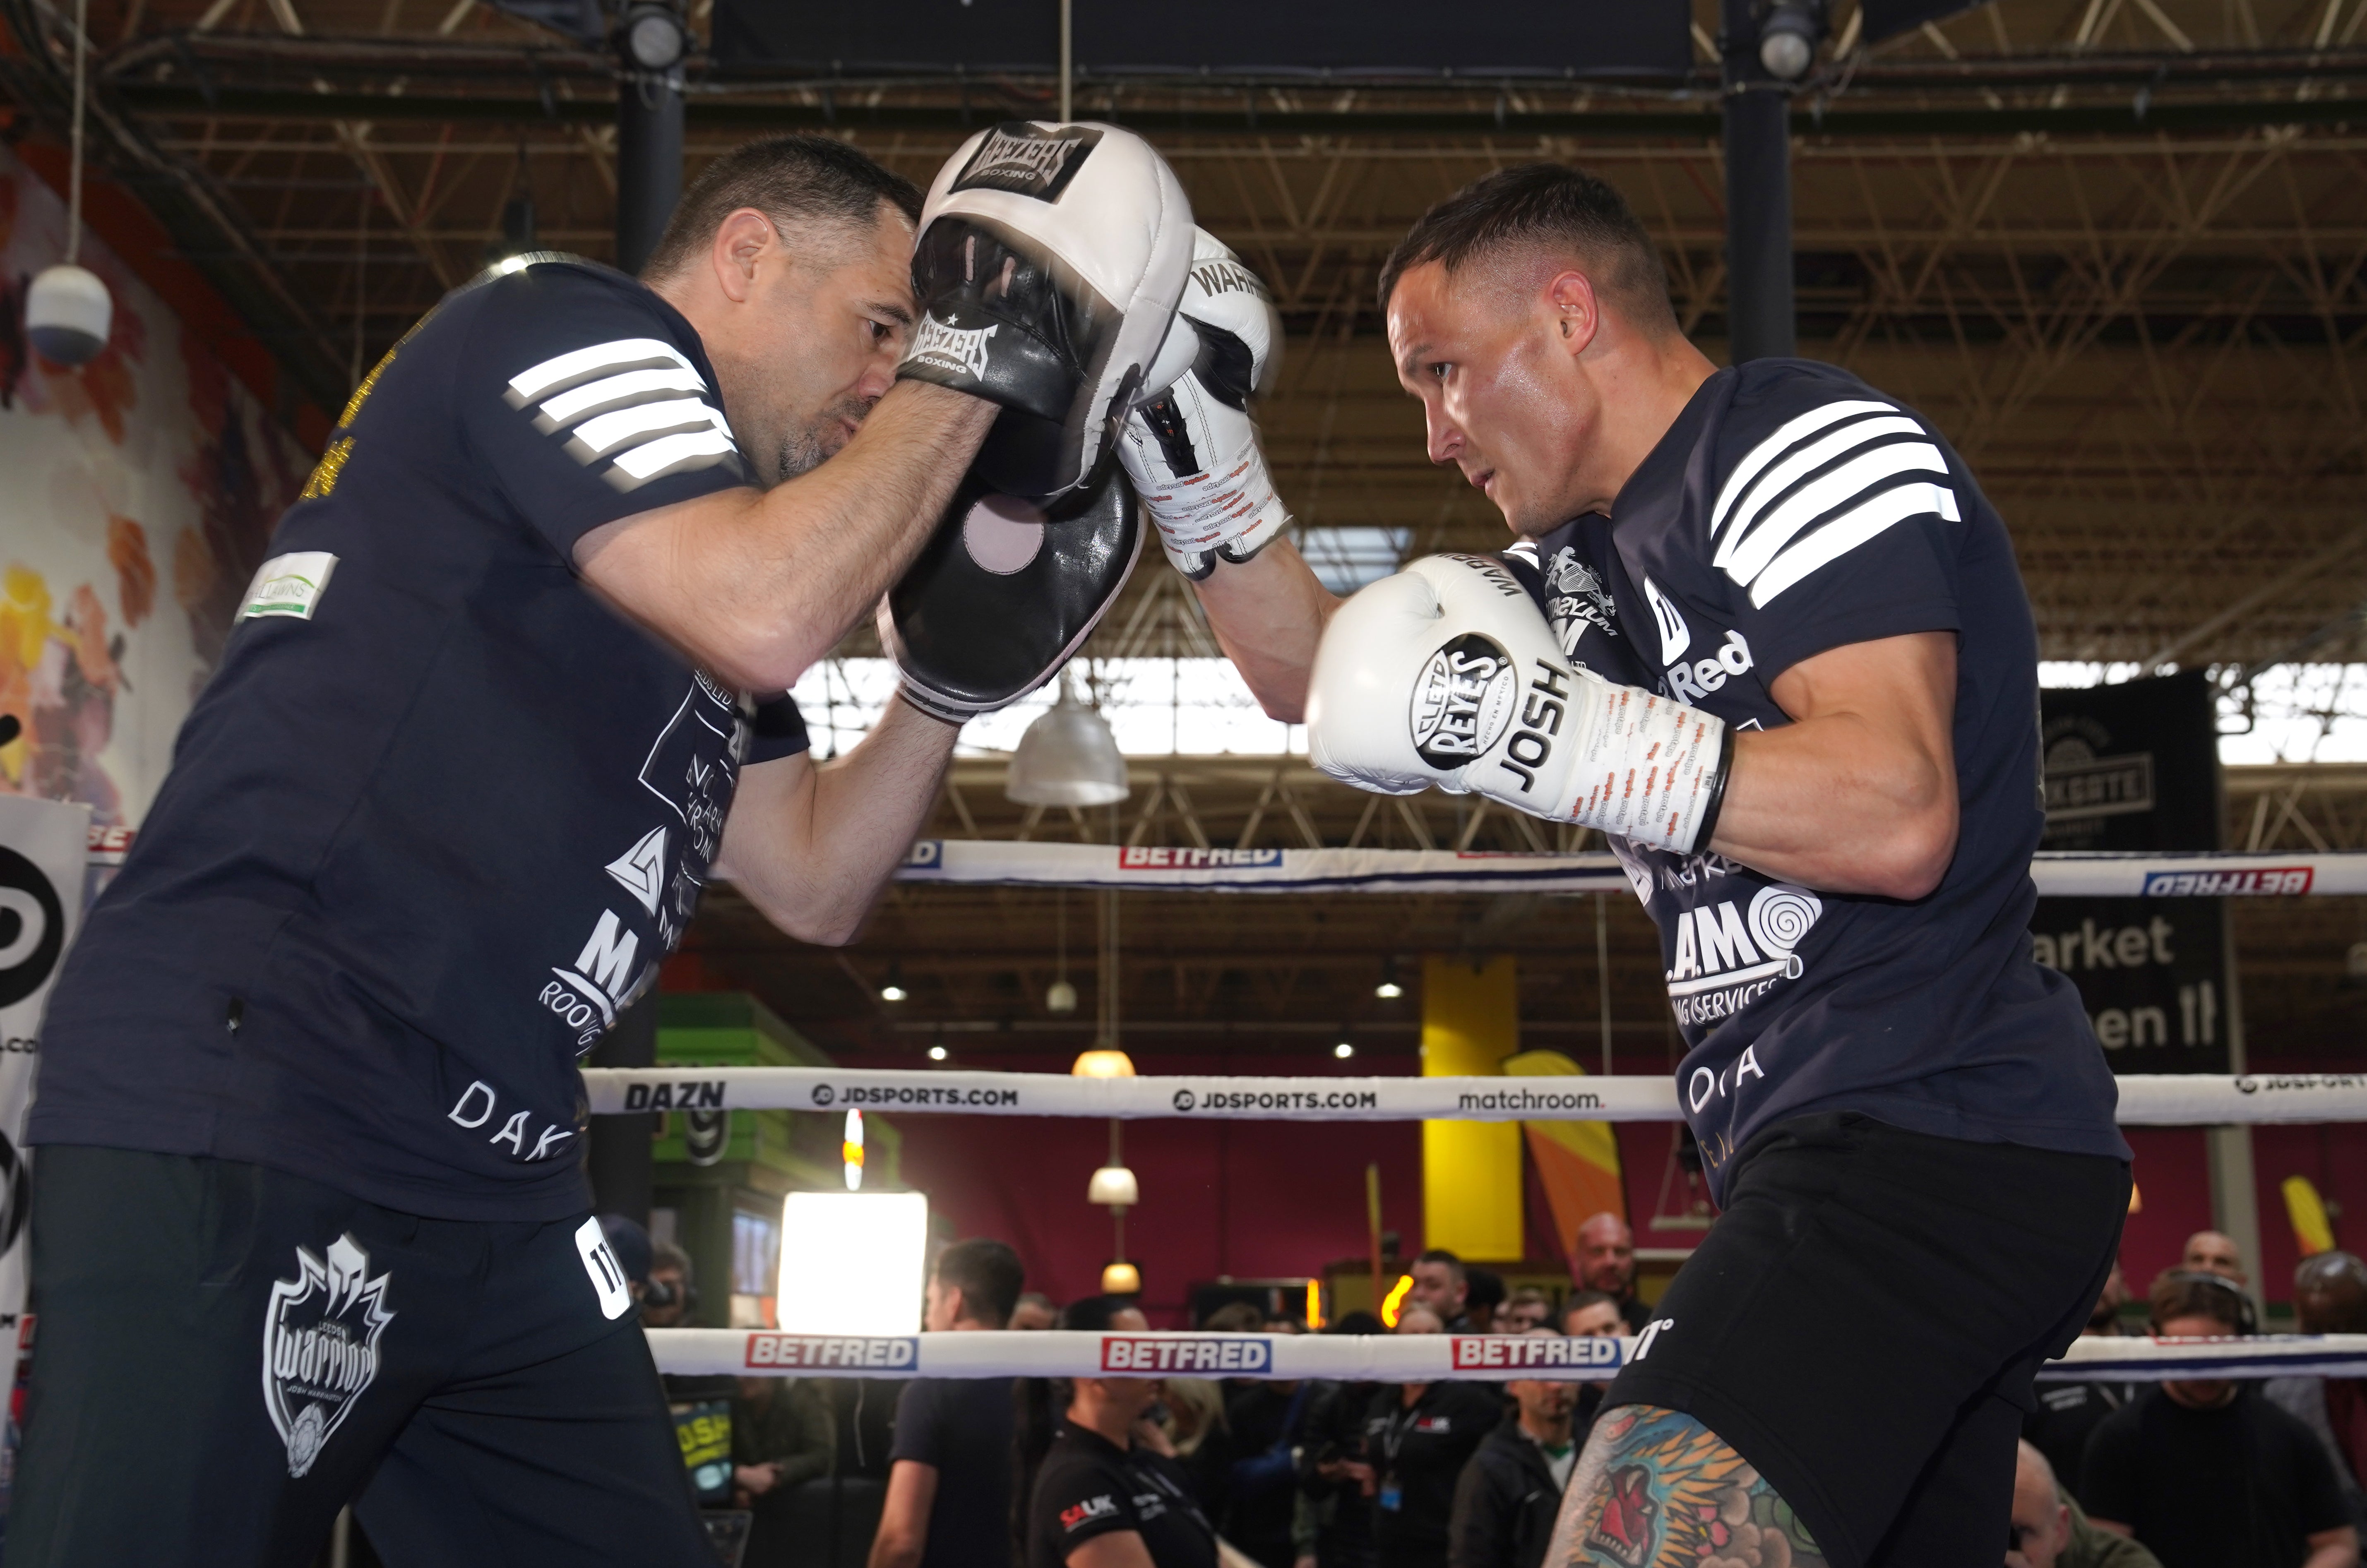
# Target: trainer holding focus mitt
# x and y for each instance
(1762, 628)
(501, 704)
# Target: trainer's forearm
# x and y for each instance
(868, 806)
(829, 541)
(1835, 802)
(1269, 613)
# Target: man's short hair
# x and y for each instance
(1235, 1317)
(667, 1255)
(1440, 1255)
(1483, 1288)
(1548, 207)
(2186, 1293)
(1528, 1295)
(1579, 1299)
(792, 179)
(987, 1274)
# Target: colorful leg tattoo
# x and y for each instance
(1655, 1489)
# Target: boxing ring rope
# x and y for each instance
(2198, 1099)
(2167, 1099)
(981, 862)
(1414, 1358)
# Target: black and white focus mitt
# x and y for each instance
(1048, 263)
(1005, 591)
(1190, 445)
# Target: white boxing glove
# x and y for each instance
(1449, 674)
(1190, 445)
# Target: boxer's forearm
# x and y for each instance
(1269, 613)
(812, 844)
(1859, 793)
(757, 585)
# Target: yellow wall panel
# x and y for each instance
(1470, 1171)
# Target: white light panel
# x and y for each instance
(853, 1262)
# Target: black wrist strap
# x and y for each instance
(1717, 792)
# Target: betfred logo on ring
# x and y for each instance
(1186, 1353)
(830, 1351)
(2269, 882)
(1510, 1352)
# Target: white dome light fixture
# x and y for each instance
(68, 310)
(1788, 38)
(1114, 1184)
(1068, 758)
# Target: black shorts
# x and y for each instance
(1862, 1321)
(226, 1355)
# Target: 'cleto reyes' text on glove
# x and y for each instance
(1047, 266)
(1190, 445)
(1448, 674)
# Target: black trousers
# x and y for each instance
(226, 1355)
(1863, 1322)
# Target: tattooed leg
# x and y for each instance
(1655, 1489)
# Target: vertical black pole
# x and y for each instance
(649, 158)
(1758, 196)
(617, 1150)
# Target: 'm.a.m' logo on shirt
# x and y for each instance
(1727, 958)
(1078, 1514)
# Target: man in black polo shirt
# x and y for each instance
(308, 1109)
(1760, 629)
(948, 1503)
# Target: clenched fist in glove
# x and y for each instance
(1189, 447)
(1047, 267)
(1449, 674)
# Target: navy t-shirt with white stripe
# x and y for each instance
(441, 811)
(1789, 511)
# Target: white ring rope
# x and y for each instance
(2059, 875)
(1417, 1358)
(2167, 1100)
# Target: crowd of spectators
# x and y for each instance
(1119, 1472)
(2200, 1472)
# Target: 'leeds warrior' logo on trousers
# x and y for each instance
(319, 1346)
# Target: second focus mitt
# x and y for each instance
(1005, 591)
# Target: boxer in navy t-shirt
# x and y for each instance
(1763, 630)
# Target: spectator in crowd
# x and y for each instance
(1483, 1294)
(1606, 1262)
(1333, 1475)
(782, 1436)
(1099, 1493)
(1440, 1287)
(1255, 1493)
(1418, 1436)
(2330, 1297)
(2211, 1252)
(948, 1502)
(1509, 1495)
(1589, 1313)
(2069, 1413)
(1524, 1309)
(1036, 1310)
(630, 1246)
(2206, 1473)
(2049, 1531)
(669, 1295)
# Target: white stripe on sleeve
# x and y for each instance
(1787, 435)
(1849, 530)
(668, 455)
(592, 396)
(564, 370)
(1746, 553)
(635, 426)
